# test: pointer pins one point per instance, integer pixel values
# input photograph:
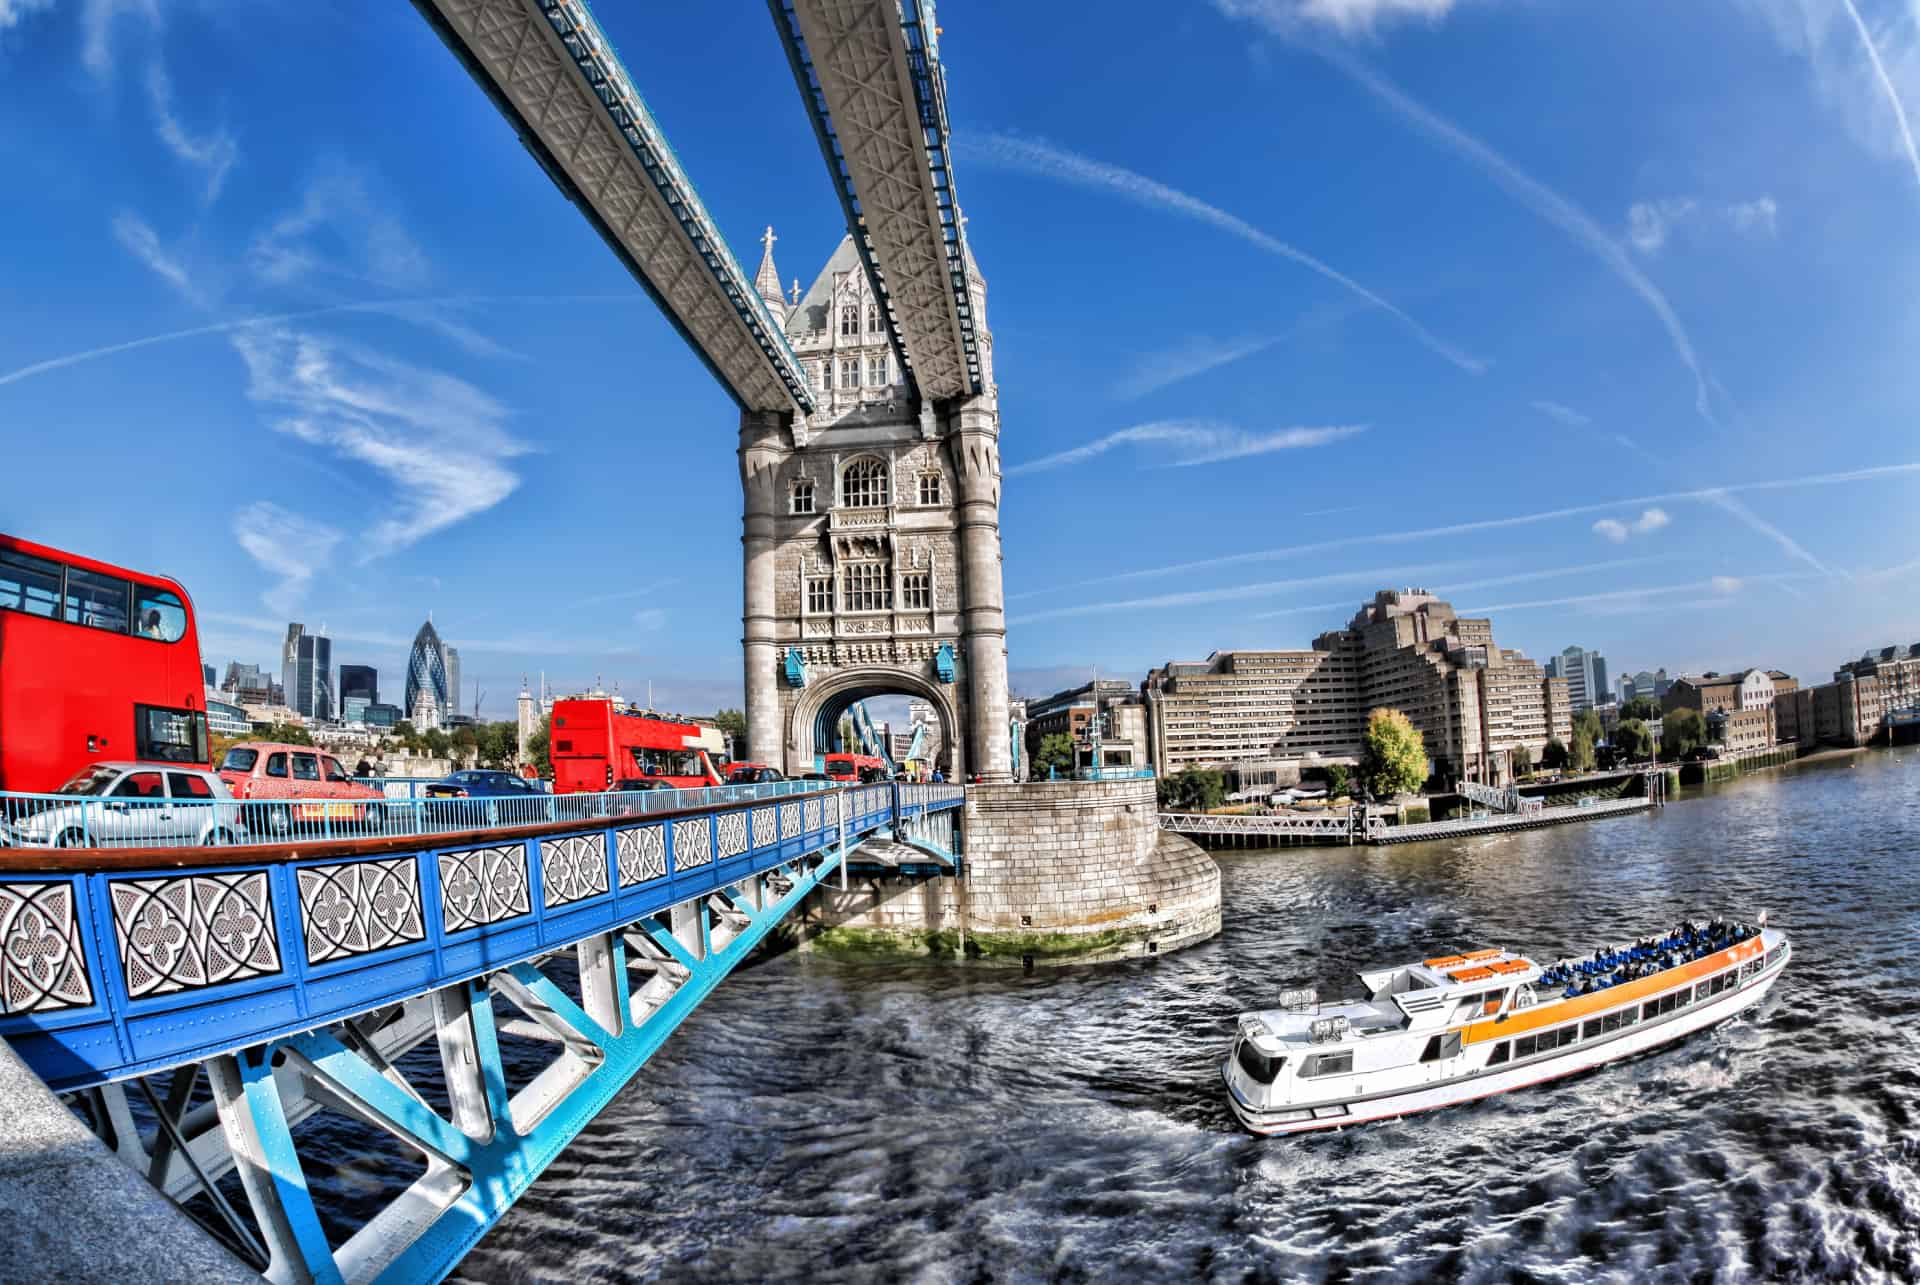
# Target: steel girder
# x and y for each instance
(635, 985)
(869, 73)
(553, 74)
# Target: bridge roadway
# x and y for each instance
(201, 1004)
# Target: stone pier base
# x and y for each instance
(1055, 872)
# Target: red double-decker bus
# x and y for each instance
(97, 663)
(856, 767)
(596, 744)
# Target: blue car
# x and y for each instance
(476, 784)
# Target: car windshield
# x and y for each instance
(239, 759)
(93, 780)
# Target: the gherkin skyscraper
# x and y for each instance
(427, 671)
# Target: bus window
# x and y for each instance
(305, 768)
(158, 614)
(29, 584)
(97, 601)
(169, 735)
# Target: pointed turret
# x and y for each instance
(767, 279)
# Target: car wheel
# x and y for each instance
(73, 839)
(220, 838)
(279, 820)
(376, 819)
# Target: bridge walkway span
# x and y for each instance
(200, 1006)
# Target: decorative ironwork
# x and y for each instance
(730, 830)
(573, 868)
(813, 814)
(190, 931)
(42, 963)
(692, 843)
(790, 821)
(359, 907)
(641, 853)
(766, 826)
(483, 886)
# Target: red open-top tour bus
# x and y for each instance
(595, 743)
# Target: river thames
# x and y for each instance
(828, 1120)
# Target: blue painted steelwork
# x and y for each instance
(943, 666)
(871, 742)
(122, 965)
(502, 1157)
(795, 668)
(597, 61)
(802, 63)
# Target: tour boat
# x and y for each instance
(1458, 1027)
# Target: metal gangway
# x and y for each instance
(1354, 825)
(1495, 798)
(206, 1010)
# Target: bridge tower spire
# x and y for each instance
(767, 279)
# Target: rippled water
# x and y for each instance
(828, 1120)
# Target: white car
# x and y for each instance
(134, 805)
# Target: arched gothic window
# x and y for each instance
(873, 318)
(850, 319)
(863, 484)
(801, 498)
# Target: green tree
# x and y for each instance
(1682, 730)
(1055, 752)
(1336, 780)
(287, 734)
(466, 743)
(1194, 789)
(1641, 707)
(1393, 758)
(1554, 757)
(1589, 722)
(538, 746)
(734, 724)
(1580, 753)
(1633, 739)
(437, 744)
(1522, 757)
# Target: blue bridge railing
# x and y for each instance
(117, 964)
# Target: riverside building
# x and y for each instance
(1267, 714)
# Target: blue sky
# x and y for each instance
(1598, 318)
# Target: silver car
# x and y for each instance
(131, 805)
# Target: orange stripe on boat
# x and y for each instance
(1554, 1012)
(1445, 961)
(1474, 974)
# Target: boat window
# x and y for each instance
(1683, 997)
(1611, 1022)
(1441, 1047)
(1500, 1053)
(1327, 1064)
(1594, 1026)
(1525, 1045)
(1567, 1034)
(1260, 1068)
(1629, 1017)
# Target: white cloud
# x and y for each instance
(1235, 593)
(214, 153)
(1624, 601)
(1726, 586)
(1722, 499)
(649, 619)
(1348, 17)
(96, 26)
(139, 239)
(1195, 357)
(1031, 156)
(13, 12)
(1867, 77)
(338, 230)
(1759, 217)
(1649, 223)
(1565, 414)
(286, 544)
(438, 439)
(1650, 521)
(1611, 530)
(1193, 442)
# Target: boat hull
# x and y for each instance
(1469, 1088)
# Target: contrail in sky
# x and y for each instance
(1704, 495)
(1031, 156)
(1886, 83)
(223, 327)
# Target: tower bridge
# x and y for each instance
(199, 1006)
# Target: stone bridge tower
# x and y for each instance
(872, 538)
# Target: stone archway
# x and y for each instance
(820, 704)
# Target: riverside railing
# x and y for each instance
(85, 821)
